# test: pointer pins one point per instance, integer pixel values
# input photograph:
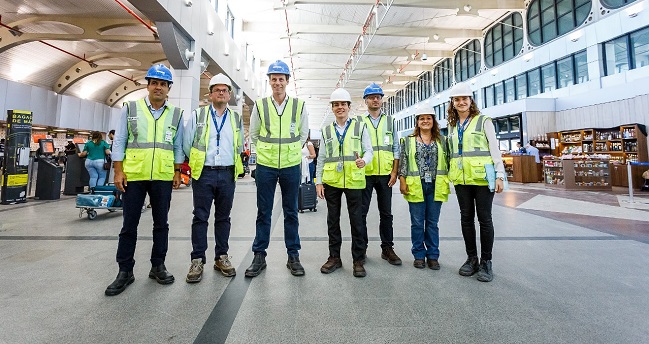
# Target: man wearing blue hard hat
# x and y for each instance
(147, 154)
(279, 126)
(381, 173)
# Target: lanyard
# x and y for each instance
(460, 134)
(341, 138)
(218, 130)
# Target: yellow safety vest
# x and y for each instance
(351, 177)
(469, 168)
(413, 178)
(201, 137)
(382, 138)
(149, 151)
(279, 145)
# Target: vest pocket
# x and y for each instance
(329, 174)
(478, 170)
(134, 163)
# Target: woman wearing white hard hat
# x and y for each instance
(474, 156)
(345, 149)
(424, 184)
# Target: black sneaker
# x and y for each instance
(258, 264)
(485, 273)
(470, 267)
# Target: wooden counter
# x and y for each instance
(521, 168)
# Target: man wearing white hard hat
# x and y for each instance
(345, 149)
(213, 141)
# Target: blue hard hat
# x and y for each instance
(159, 71)
(278, 67)
(373, 88)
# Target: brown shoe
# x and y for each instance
(359, 270)
(223, 264)
(433, 264)
(388, 254)
(195, 271)
(419, 263)
(331, 265)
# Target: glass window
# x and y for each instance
(467, 61)
(534, 82)
(581, 67)
(565, 72)
(521, 86)
(442, 75)
(549, 19)
(499, 93)
(489, 96)
(549, 77)
(504, 40)
(616, 56)
(502, 126)
(510, 90)
(616, 3)
(640, 44)
(229, 22)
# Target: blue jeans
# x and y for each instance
(213, 186)
(424, 217)
(96, 171)
(289, 181)
(132, 200)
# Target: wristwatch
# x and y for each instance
(501, 178)
(177, 170)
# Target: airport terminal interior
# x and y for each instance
(568, 77)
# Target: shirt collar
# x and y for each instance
(148, 104)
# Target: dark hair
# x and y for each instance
(519, 143)
(452, 116)
(434, 131)
(148, 82)
(112, 132)
(96, 137)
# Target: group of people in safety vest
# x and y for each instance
(358, 155)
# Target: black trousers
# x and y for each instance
(132, 201)
(476, 199)
(384, 201)
(354, 197)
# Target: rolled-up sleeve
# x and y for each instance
(121, 136)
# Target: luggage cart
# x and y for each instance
(101, 197)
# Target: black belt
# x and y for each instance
(229, 168)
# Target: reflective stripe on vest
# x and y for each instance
(475, 154)
(351, 177)
(278, 145)
(413, 177)
(198, 151)
(149, 151)
(383, 158)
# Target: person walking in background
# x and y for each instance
(533, 151)
(147, 154)
(381, 172)
(341, 170)
(423, 182)
(213, 141)
(279, 125)
(473, 148)
(308, 154)
(95, 152)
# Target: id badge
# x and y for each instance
(386, 140)
(292, 128)
(459, 164)
(169, 136)
(428, 178)
(217, 159)
(339, 166)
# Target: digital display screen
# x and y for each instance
(47, 146)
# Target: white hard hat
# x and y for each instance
(220, 79)
(340, 94)
(462, 89)
(424, 110)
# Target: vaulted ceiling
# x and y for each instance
(98, 50)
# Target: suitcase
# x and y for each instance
(307, 198)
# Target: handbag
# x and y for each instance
(107, 163)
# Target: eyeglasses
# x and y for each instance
(219, 90)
